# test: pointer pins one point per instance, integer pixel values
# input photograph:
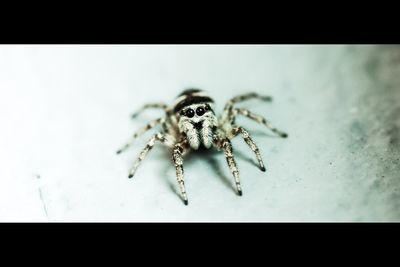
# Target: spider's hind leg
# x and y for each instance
(148, 106)
(149, 126)
(158, 137)
(240, 98)
(229, 112)
(261, 120)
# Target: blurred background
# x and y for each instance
(65, 110)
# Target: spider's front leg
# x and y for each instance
(225, 145)
(177, 157)
(249, 141)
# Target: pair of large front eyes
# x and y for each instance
(199, 111)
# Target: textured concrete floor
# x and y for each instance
(64, 110)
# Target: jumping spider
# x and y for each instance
(191, 123)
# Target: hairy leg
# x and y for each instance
(244, 97)
(148, 106)
(258, 119)
(249, 141)
(140, 132)
(227, 147)
(178, 162)
(158, 137)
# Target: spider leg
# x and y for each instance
(259, 119)
(244, 97)
(158, 137)
(150, 105)
(140, 132)
(227, 147)
(249, 141)
(178, 161)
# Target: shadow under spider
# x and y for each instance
(216, 167)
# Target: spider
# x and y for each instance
(191, 123)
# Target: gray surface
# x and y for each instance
(65, 110)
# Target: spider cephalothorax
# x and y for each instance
(196, 118)
(191, 123)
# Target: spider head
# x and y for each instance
(198, 123)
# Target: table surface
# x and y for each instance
(65, 110)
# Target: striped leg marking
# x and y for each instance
(148, 106)
(143, 153)
(261, 120)
(227, 147)
(178, 161)
(249, 141)
(149, 126)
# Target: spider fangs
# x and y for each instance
(191, 123)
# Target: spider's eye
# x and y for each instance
(200, 111)
(190, 113)
(207, 108)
